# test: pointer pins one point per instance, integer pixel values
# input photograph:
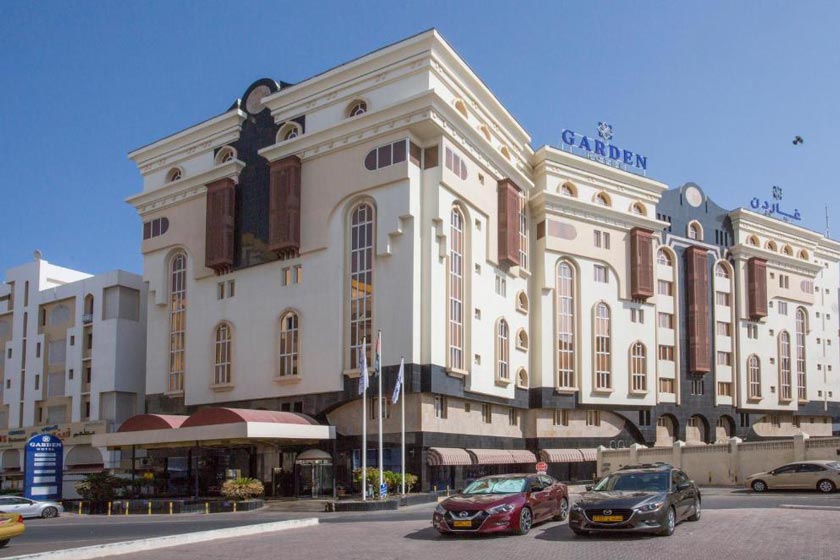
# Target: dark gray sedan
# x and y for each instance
(646, 499)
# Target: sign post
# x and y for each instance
(43, 468)
(542, 467)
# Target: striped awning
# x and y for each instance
(491, 456)
(448, 457)
(568, 455)
(522, 456)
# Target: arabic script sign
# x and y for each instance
(773, 208)
(602, 150)
(77, 433)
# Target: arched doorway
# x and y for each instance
(314, 474)
(724, 428)
(695, 430)
(666, 430)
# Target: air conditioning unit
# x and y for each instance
(142, 462)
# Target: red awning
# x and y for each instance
(448, 457)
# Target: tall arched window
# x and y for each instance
(695, 231)
(721, 271)
(502, 350)
(801, 327)
(784, 367)
(603, 355)
(663, 258)
(523, 232)
(638, 367)
(565, 325)
(289, 344)
(223, 355)
(177, 321)
(362, 246)
(456, 289)
(754, 376)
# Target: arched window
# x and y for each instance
(462, 108)
(638, 368)
(754, 376)
(602, 199)
(362, 252)
(721, 271)
(177, 321)
(803, 254)
(752, 240)
(456, 289)
(223, 355)
(565, 304)
(522, 302)
(502, 350)
(603, 352)
(174, 174)
(523, 232)
(695, 231)
(357, 108)
(638, 208)
(521, 339)
(485, 132)
(771, 246)
(784, 367)
(289, 344)
(225, 155)
(522, 378)
(787, 250)
(568, 189)
(505, 152)
(801, 329)
(663, 258)
(88, 316)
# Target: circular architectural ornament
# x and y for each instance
(693, 196)
(254, 102)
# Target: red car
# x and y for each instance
(511, 502)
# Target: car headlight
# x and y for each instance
(650, 507)
(440, 509)
(504, 508)
(576, 507)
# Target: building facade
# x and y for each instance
(73, 363)
(544, 303)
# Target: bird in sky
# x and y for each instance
(797, 140)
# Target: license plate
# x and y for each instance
(462, 523)
(607, 518)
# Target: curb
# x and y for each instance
(154, 543)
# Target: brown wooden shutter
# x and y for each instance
(641, 263)
(697, 298)
(284, 207)
(508, 223)
(220, 221)
(757, 288)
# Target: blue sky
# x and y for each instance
(711, 92)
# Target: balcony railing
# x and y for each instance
(87, 318)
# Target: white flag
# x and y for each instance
(363, 375)
(398, 385)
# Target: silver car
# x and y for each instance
(29, 508)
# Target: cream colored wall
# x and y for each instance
(347, 418)
(458, 421)
(816, 426)
(541, 425)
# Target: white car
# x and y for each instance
(29, 508)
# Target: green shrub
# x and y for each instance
(242, 488)
(392, 479)
(100, 487)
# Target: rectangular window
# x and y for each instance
(593, 418)
(231, 288)
(72, 340)
(602, 239)
(666, 353)
(523, 232)
(38, 350)
(724, 329)
(513, 417)
(637, 316)
(752, 331)
(37, 382)
(665, 288)
(644, 418)
(597, 238)
(698, 386)
(724, 358)
(70, 373)
(601, 273)
(775, 421)
(722, 299)
(782, 308)
(666, 320)
(501, 286)
(440, 407)
(744, 419)
(561, 417)
(220, 290)
(725, 389)
(487, 413)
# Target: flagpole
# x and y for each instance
(402, 427)
(379, 405)
(363, 371)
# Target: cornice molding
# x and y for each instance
(549, 204)
(184, 189)
(777, 260)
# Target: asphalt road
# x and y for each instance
(731, 509)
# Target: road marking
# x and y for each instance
(795, 506)
(142, 545)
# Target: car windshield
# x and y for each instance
(496, 486)
(833, 465)
(635, 482)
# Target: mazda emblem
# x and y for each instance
(607, 512)
(463, 514)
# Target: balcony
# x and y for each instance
(87, 318)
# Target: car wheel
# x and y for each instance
(4, 542)
(697, 511)
(825, 486)
(759, 486)
(579, 532)
(526, 519)
(562, 510)
(670, 523)
(49, 512)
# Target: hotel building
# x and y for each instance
(544, 303)
(73, 363)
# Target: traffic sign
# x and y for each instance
(542, 467)
(383, 490)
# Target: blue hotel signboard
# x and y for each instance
(43, 468)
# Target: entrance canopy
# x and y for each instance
(214, 426)
(453, 456)
(568, 455)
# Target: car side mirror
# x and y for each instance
(588, 487)
(683, 486)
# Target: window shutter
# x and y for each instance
(219, 225)
(508, 223)
(697, 298)
(284, 207)
(757, 288)
(641, 263)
